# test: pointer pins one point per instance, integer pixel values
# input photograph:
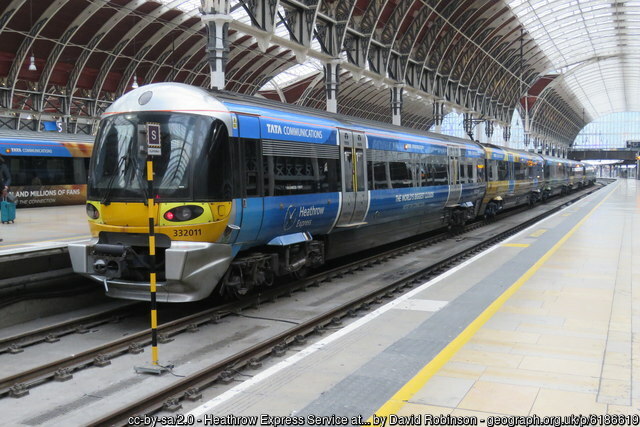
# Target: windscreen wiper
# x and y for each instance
(105, 199)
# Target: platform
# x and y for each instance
(44, 228)
(543, 324)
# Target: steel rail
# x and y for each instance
(51, 333)
(190, 387)
(19, 384)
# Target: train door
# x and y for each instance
(355, 197)
(511, 176)
(250, 205)
(455, 188)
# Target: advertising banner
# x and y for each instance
(30, 196)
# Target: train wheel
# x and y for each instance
(233, 283)
(266, 274)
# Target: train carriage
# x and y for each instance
(514, 177)
(246, 190)
(46, 168)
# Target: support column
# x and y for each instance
(438, 116)
(396, 103)
(216, 17)
(506, 134)
(467, 123)
(332, 83)
(488, 129)
(479, 130)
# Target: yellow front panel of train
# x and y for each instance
(134, 218)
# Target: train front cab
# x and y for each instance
(192, 205)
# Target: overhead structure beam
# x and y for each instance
(216, 17)
(455, 54)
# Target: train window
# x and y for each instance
(492, 170)
(479, 170)
(422, 175)
(462, 178)
(378, 173)
(470, 177)
(520, 170)
(213, 179)
(429, 174)
(347, 167)
(251, 165)
(285, 175)
(400, 174)
(360, 170)
(503, 170)
(440, 174)
(47, 171)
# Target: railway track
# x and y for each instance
(18, 385)
(190, 387)
(15, 344)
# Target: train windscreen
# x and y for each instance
(117, 171)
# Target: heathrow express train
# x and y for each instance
(247, 189)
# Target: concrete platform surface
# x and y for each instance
(544, 324)
(44, 228)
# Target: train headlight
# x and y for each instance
(92, 212)
(183, 213)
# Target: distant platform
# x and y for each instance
(44, 228)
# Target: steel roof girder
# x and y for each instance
(27, 42)
(9, 12)
(149, 43)
(72, 29)
(93, 43)
(326, 33)
(177, 43)
(356, 48)
(148, 19)
(262, 13)
(391, 28)
(299, 20)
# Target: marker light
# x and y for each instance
(92, 212)
(183, 213)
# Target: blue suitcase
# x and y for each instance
(7, 211)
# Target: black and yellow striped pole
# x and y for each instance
(152, 132)
(152, 264)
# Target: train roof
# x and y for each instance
(8, 134)
(44, 144)
(337, 120)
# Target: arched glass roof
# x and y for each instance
(593, 44)
(611, 131)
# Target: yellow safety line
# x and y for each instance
(416, 383)
(538, 233)
(516, 245)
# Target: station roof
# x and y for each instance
(566, 62)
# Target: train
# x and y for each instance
(46, 168)
(247, 190)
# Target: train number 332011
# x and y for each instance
(187, 233)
